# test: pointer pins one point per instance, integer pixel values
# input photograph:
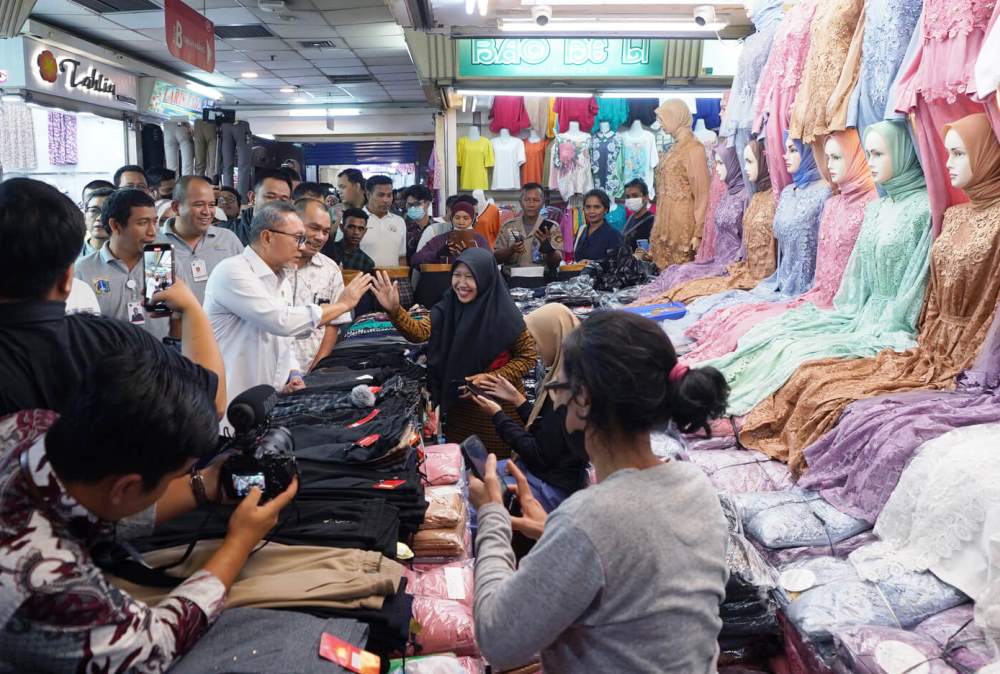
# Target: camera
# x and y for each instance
(704, 14)
(542, 14)
(218, 115)
(264, 454)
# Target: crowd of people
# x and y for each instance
(114, 400)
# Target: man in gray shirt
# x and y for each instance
(116, 272)
(199, 246)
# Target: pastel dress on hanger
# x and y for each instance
(831, 33)
(961, 301)
(718, 332)
(857, 464)
(639, 157)
(876, 307)
(779, 83)
(727, 224)
(571, 171)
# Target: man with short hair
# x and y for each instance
(46, 354)
(199, 246)
(289, 172)
(118, 461)
(252, 322)
(91, 187)
(351, 185)
(347, 252)
(530, 240)
(96, 235)
(230, 201)
(309, 190)
(317, 280)
(161, 182)
(269, 186)
(385, 241)
(418, 218)
(116, 272)
(639, 225)
(133, 177)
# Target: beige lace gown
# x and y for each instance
(682, 188)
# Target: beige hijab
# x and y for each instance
(675, 116)
(550, 325)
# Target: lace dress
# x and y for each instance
(779, 83)
(681, 177)
(706, 251)
(876, 307)
(719, 332)
(941, 513)
(831, 32)
(753, 57)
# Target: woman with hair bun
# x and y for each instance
(627, 575)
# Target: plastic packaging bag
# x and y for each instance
(445, 626)
(795, 518)
(741, 471)
(959, 638)
(445, 508)
(454, 581)
(442, 464)
(876, 650)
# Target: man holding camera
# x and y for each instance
(252, 322)
(114, 464)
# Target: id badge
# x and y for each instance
(135, 313)
(199, 270)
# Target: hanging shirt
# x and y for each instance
(473, 158)
(509, 156)
(639, 157)
(538, 113)
(570, 171)
(606, 162)
(642, 109)
(534, 162)
(611, 110)
(509, 113)
(582, 110)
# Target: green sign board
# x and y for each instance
(550, 57)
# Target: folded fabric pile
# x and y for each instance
(444, 533)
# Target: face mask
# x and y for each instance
(634, 204)
(557, 433)
(415, 212)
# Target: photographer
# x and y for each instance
(116, 462)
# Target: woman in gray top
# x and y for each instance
(627, 575)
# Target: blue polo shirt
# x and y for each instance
(596, 246)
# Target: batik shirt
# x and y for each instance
(59, 612)
(606, 162)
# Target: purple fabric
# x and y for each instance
(857, 464)
(62, 138)
(961, 640)
(857, 648)
(739, 471)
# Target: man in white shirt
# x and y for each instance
(252, 323)
(385, 241)
(316, 280)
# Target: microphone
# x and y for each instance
(251, 409)
(363, 396)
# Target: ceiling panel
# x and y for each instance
(346, 17)
(370, 29)
(351, 70)
(157, 34)
(379, 42)
(346, 4)
(403, 60)
(336, 57)
(319, 79)
(398, 77)
(59, 7)
(201, 5)
(294, 72)
(229, 55)
(138, 19)
(366, 53)
(266, 44)
(232, 16)
(379, 70)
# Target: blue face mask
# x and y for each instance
(415, 212)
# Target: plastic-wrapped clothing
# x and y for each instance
(870, 650)
(439, 664)
(454, 581)
(839, 599)
(739, 471)
(444, 543)
(445, 626)
(960, 639)
(841, 550)
(445, 508)
(442, 464)
(261, 641)
(620, 269)
(795, 518)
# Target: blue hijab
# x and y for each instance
(766, 13)
(808, 171)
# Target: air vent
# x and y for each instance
(317, 44)
(112, 6)
(249, 30)
(350, 79)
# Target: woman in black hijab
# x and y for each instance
(474, 330)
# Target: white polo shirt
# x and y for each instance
(385, 240)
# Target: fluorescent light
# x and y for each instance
(249, 75)
(546, 94)
(321, 112)
(287, 90)
(269, 136)
(204, 91)
(12, 98)
(483, 7)
(600, 26)
(300, 99)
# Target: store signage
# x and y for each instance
(75, 76)
(173, 101)
(550, 57)
(190, 36)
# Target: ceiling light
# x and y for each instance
(268, 136)
(12, 98)
(602, 25)
(321, 112)
(489, 92)
(204, 91)
(249, 75)
(299, 100)
(483, 7)
(287, 90)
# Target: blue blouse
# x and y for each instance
(596, 246)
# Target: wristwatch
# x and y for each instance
(198, 488)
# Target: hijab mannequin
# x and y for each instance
(750, 167)
(959, 166)
(720, 168)
(793, 159)
(879, 159)
(835, 161)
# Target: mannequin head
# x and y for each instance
(750, 167)
(879, 158)
(673, 116)
(793, 158)
(959, 165)
(836, 164)
(720, 167)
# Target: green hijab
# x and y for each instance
(907, 174)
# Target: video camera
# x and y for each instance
(265, 455)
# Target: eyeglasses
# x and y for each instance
(300, 239)
(557, 386)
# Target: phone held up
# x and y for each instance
(158, 265)
(474, 453)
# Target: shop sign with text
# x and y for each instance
(70, 75)
(564, 57)
(190, 36)
(173, 101)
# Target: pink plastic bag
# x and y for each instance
(454, 581)
(442, 464)
(445, 626)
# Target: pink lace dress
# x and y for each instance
(706, 251)
(778, 85)
(719, 332)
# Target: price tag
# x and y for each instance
(797, 580)
(349, 656)
(896, 657)
(454, 579)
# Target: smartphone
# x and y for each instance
(474, 453)
(475, 390)
(158, 265)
